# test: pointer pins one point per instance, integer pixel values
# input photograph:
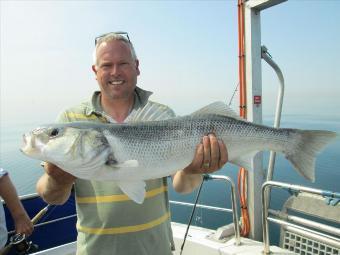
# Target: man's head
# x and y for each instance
(116, 66)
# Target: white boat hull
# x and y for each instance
(199, 242)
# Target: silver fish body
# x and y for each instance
(141, 150)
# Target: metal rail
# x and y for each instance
(305, 222)
(295, 188)
(233, 203)
(213, 208)
(267, 57)
(328, 239)
(49, 222)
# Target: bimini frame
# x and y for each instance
(253, 104)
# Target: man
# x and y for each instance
(22, 222)
(108, 221)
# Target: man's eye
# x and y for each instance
(54, 132)
(105, 66)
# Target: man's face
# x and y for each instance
(116, 71)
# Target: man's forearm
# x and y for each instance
(9, 194)
(186, 183)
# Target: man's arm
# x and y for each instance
(210, 156)
(55, 185)
(8, 192)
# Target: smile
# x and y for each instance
(116, 82)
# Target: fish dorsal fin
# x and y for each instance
(150, 112)
(218, 108)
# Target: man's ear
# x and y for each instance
(137, 67)
(94, 69)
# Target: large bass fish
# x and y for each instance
(140, 150)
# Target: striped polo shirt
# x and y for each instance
(109, 222)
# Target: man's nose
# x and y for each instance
(115, 70)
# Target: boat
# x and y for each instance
(309, 220)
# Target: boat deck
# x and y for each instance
(199, 242)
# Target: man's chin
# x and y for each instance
(120, 93)
(123, 95)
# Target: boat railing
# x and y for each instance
(45, 221)
(267, 57)
(315, 235)
(208, 207)
(49, 222)
(233, 210)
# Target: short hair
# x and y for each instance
(113, 37)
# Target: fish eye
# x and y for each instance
(54, 132)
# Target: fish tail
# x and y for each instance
(311, 143)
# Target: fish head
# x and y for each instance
(66, 146)
(49, 142)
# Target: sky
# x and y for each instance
(188, 53)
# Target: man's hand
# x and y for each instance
(210, 156)
(55, 185)
(23, 224)
(8, 192)
(59, 175)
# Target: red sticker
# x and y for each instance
(257, 99)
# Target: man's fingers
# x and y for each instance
(58, 174)
(24, 226)
(214, 153)
(207, 152)
(210, 156)
(223, 154)
(197, 160)
(199, 155)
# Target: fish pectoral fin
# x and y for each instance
(114, 142)
(244, 161)
(125, 164)
(133, 189)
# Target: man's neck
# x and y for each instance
(118, 109)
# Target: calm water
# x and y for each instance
(25, 172)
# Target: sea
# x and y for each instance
(25, 172)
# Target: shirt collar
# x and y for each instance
(141, 98)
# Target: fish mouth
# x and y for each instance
(24, 143)
(29, 146)
(27, 142)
